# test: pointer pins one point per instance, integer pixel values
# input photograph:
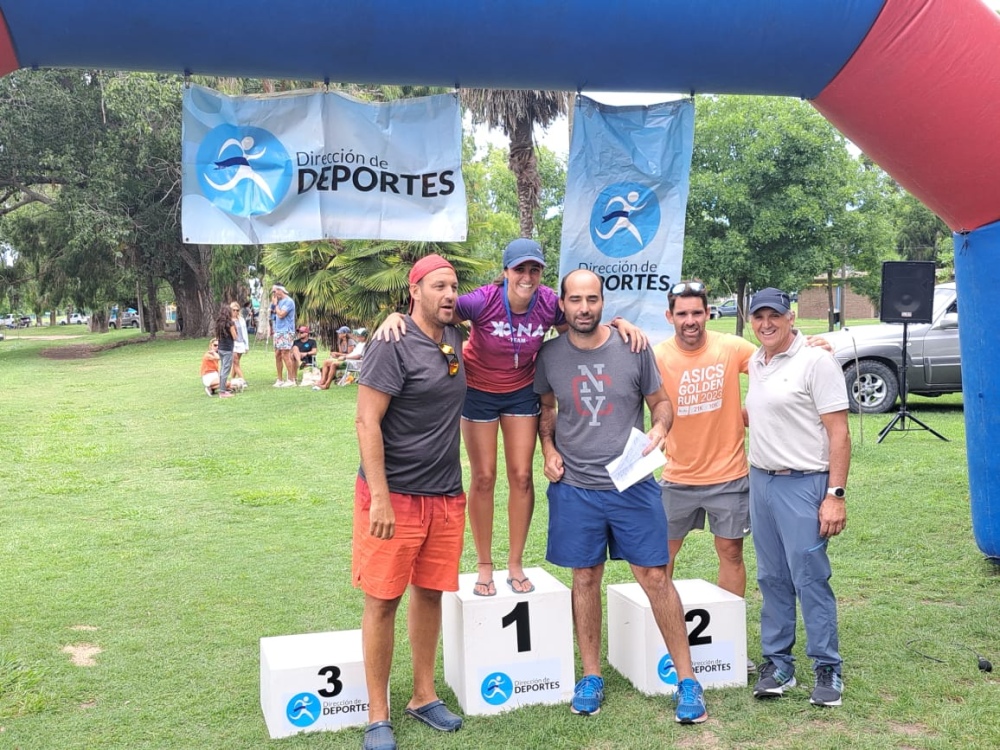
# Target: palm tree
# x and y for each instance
(359, 282)
(516, 112)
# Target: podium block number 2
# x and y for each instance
(695, 637)
(519, 617)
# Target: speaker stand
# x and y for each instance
(898, 423)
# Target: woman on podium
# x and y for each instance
(509, 320)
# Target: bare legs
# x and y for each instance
(237, 370)
(668, 612)
(378, 623)
(519, 435)
(732, 569)
(587, 614)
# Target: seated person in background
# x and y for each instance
(210, 368)
(304, 349)
(337, 359)
(344, 341)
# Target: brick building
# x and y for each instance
(813, 302)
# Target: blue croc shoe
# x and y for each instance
(690, 700)
(437, 716)
(588, 695)
(379, 736)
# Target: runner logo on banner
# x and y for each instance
(626, 194)
(318, 165)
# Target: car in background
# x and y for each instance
(871, 357)
(12, 320)
(726, 309)
(75, 319)
(129, 320)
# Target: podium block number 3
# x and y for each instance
(332, 675)
(519, 617)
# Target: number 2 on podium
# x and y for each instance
(519, 616)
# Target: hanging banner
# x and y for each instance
(626, 193)
(320, 165)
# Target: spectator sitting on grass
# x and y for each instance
(210, 368)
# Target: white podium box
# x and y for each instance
(717, 634)
(312, 682)
(508, 650)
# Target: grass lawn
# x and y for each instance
(161, 534)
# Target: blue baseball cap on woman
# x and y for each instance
(521, 251)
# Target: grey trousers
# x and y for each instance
(792, 563)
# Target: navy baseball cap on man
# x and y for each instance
(521, 251)
(776, 299)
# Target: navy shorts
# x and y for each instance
(483, 406)
(588, 526)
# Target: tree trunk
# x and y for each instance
(154, 315)
(830, 317)
(524, 166)
(193, 292)
(741, 304)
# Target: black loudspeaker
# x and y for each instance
(907, 291)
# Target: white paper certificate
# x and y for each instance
(631, 465)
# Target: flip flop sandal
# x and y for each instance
(437, 716)
(526, 585)
(484, 588)
(379, 736)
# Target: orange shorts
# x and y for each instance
(425, 549)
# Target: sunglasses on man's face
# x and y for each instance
(449, 354)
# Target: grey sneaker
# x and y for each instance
(829, 688)
(772, 682)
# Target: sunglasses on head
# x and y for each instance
(695, 287)
(449, 354)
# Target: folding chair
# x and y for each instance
(352, 370)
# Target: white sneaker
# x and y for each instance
(290, 384)
(279, 383)
(208, 391)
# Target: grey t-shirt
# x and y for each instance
(600, 394)
(420, 429)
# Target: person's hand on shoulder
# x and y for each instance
(631, 333)
(394, 325)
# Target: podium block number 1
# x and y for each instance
(520, 617)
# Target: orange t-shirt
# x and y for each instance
(705, 444)
(209, 364)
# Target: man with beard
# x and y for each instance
(706, 471)
(409, 506)
(592, 389)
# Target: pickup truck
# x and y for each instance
(871, 357)
(129, 320)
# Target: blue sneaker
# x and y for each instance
(588, 695)
(690, 699)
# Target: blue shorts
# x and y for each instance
(588, 526)
(483, 406)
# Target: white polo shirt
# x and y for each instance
(784, 402)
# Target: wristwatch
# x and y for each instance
(838, 492)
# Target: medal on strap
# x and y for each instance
(510, 321)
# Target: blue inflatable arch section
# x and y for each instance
(914, 83)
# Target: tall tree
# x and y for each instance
(516, 112)
(772, 187)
